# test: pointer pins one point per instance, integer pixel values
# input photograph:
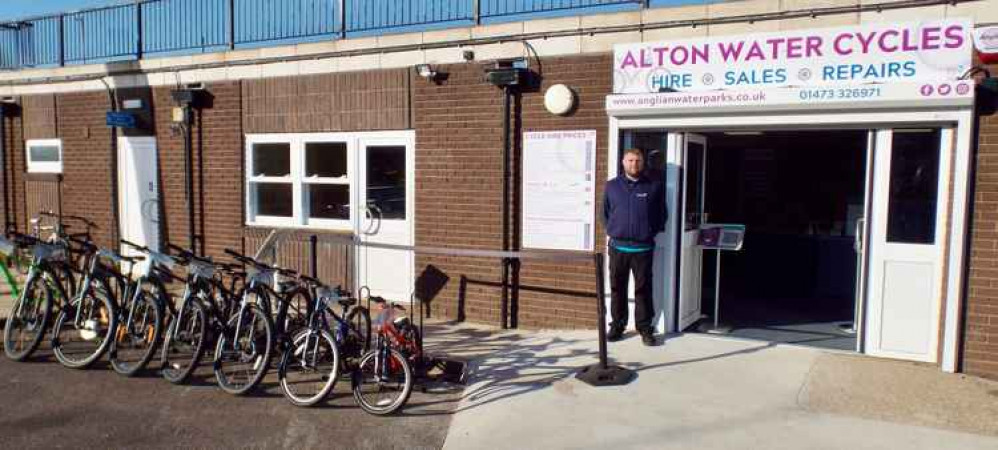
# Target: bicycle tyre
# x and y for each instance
(259, 355)
(365, 378)
(294, 375)
(34, 317)
(182, 355)
(135, 344)
(295, 307)
(358, 339)
(98, 327)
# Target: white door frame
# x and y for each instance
(141, 226)
(684, 139)
(366, 230)
(958, 177)
(882, 251)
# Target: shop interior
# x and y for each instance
(800, 195)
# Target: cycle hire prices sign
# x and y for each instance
(871, 54)
(559, 190)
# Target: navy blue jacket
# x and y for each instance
(634, 211)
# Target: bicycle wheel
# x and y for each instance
(242, 360)
(309, 367)
(294, 310)
(135, 342)
(184, 347)
(29, 318)
(84, 329)
(67, 281)
(382, 381)
(357, 342)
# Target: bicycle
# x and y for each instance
(383, 379)
(243, 354)
(86, 326)
(33, 307)
(140, 311)
(205, 306)
(310, 366)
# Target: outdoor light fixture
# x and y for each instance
(426, 71)
(559, 100)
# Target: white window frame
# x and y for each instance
(46, 166)
(300, 213)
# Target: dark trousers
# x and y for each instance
(621, 265)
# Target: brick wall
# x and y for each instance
(39, 116)
(217, 170)
(87, 160)
(353, 101)
(459, 190)
(980, 338)
(13, 168)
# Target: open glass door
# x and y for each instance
(385, 214)
(907, 232)
(694, 172)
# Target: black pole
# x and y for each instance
(504, 301)
(189, 178)
(601, 309)
(602, 373)
(313, 242)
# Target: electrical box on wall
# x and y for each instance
(508, 72)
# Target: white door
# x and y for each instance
(907, 231)
(386, 199)
(138, 192)
(694, 171)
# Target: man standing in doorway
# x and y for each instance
(634, 211)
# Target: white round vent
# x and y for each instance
(559, 99)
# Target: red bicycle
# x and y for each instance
(383, 379)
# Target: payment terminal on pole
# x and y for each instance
(720, 237)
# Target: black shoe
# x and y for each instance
(615, 334)
(648, 338)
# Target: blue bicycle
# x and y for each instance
(312, 361)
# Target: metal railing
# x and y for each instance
(133, 30)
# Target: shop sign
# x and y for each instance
(882, 53)
(986, 42)
(559, 190)
(860, 96)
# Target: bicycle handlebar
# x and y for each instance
(138, 247)
(85, 220)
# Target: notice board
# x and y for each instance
(559, 190)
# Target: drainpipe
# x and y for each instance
(116, 225)
(189, 177)
(506, 141)
(3, 160)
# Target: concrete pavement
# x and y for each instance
(707, 392)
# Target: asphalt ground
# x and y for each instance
(44, 405)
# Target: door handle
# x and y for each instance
(373, 213)
(858, 238)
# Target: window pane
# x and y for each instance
(273, 199)
(386, 180)
(326, 159)
(44, 153)
(694, 184)
(272, 160)
(911, 213)
(328, 201)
